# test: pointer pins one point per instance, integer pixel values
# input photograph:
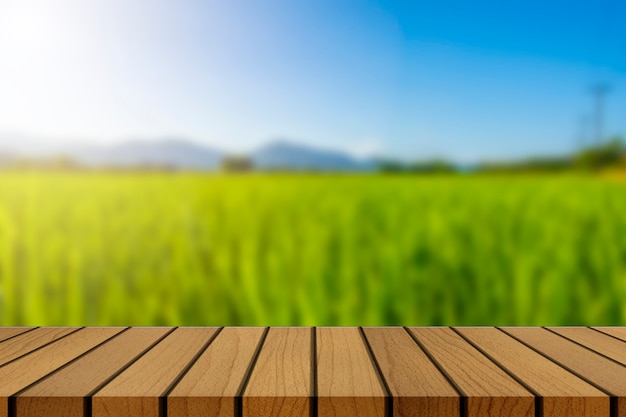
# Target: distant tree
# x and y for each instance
(433, 166)
(390, 166)
(609, 154)
(430, 166)
(236, 164)
(529, 165)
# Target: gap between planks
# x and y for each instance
(358, 359)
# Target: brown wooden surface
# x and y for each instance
(281, 382)
(563, 393)
(61, 394)
(19, 374)
(211, 385)
(597, 341)
(347, 382)
(489, 391)
(25, 343)
(311, 372)
(617, 332)
(136, 391)
(600, 371)
(417, 386)
(8, 332)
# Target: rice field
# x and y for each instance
(208, 249)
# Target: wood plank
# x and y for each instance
(489, 391)
(18, 374)
(62, 393)
(601, 371)
(417, 386)
(106, 372)
(8, 332)
(619, 332)
(27, 342)
(136, 391)
(211, 385)
(600, 342)
(563, 393)
(281, 382)
(347, 382)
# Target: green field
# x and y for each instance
(195, 249)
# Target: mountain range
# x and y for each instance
(284, 154)
(180, 153)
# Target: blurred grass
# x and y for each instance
(195, 249)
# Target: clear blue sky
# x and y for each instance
(467, 80)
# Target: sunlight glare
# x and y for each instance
(30, 27)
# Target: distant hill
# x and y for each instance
(173, 153)
(282, 154)
(177, 153)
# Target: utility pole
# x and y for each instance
(599, 92)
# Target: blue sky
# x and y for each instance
(468, 80)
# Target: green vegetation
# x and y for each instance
(193, 249)
(434, 166)
(608, 155)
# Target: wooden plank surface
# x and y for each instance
(618, 332)
(9, 332)
(603, 372)
(489, 391)
(281, 382)
(417, 386)
(18, 374)
(213, 382)
(25, 343)
(595, 340)
(137, 390)
(563, 394)
(305, 372)
(347, 382)
(61, 394)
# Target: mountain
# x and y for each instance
(178, 153)
(170, 152)
(281, 154)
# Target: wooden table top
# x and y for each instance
(304, 371)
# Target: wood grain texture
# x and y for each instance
(563, 393)
(8, 332)
(210, 386)
(27, 342)
(594, 340)
(136, 391)
(489, 390)
(597, 369)
(36, 365)
(301, 372)
(618, 332)
(417, 386)
(61, 394)
(347, 382)
(281, 382)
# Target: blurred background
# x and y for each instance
(312, 162)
